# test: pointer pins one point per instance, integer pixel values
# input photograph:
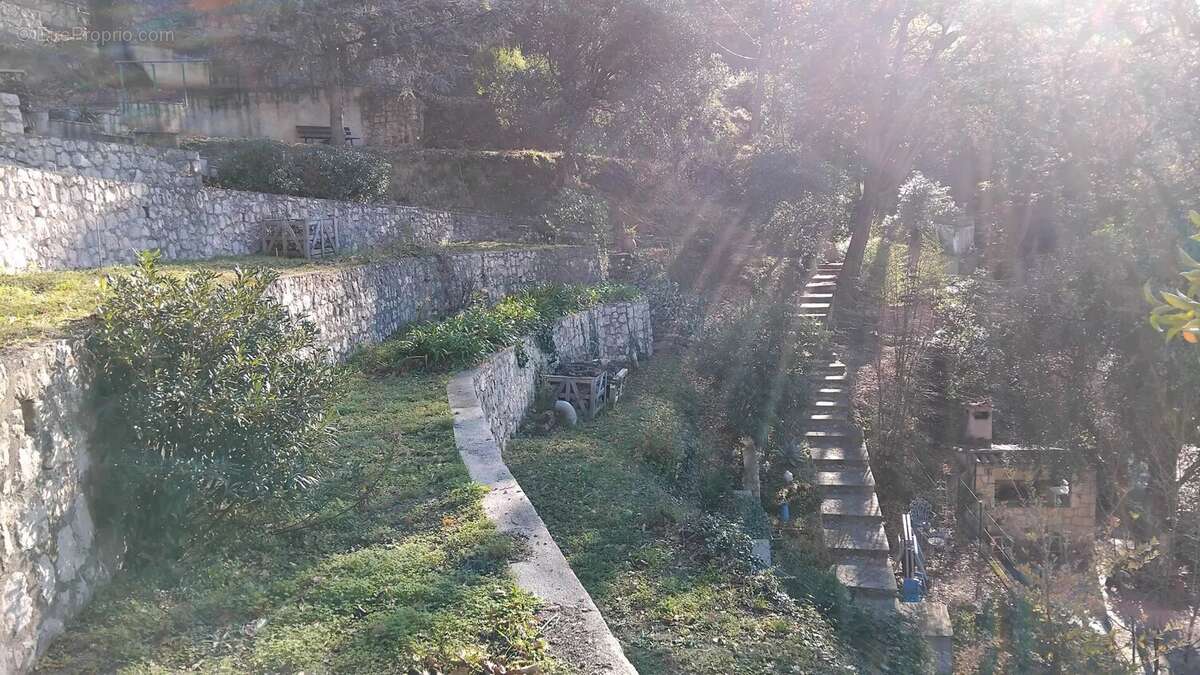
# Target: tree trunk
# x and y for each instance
(567, 167)
(860, 232)
(750, 474)
(337, 115)
(916, 239)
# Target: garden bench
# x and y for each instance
(309, 134)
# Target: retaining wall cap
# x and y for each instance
(581, 637)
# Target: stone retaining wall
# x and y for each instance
(613, 333)
(67, 204)
(24, 19)
(488, 404)
(51, 556)
(362, 305)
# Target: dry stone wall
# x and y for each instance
(506, 387)
(362, 305)
(68, 204)
(25, 19)
(51, 556)
(18, 20)
(488, 404)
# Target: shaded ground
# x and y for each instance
(396, 568)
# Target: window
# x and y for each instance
(1012, 492)
(1018, 493)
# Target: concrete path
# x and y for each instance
(571, 622)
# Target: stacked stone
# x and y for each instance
(50, 560)
(16, 20)
(11, 121)
(361, 305)
(159, 167)
(72, 204)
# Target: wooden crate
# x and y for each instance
(584, 386)
(300, 237)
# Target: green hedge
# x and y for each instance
(319, 171)
(469, 337)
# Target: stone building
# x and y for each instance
(1020, 493)
(1023, 488)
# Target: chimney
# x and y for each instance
(979, 424)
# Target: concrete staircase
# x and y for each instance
(851, 520)
(850, 517)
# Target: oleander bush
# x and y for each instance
(211, 398)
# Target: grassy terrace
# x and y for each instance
(627, 526)
(40, 305)
(399, 568)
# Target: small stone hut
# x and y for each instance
(1019, 490)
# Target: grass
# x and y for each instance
(42, 305)
(609, 494)
(394, 567)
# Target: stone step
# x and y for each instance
(826, 390)
(839, 416)
(816, 316)
(825, 405)
(838, 465)
(854, 479)
(854, 506)
(824, 439)
(824, 277)
(816, 306)
(807, 297)
(815, 285)
(879, 606)
(855, 454)
(832, 379)
(872, 576)
(856, 539)
(932, 619)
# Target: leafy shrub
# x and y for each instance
(345, 174)
(211, 398)
(577, 216)
(661, 442)
(725, 542)
(474, 334)
(318, 171)
(259, 166)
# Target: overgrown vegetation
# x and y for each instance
(482, 329)
(308, 170)
(1014, 634)
(211, 401)
(637, 501)
(387, 565)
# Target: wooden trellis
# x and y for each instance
(300, 237)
